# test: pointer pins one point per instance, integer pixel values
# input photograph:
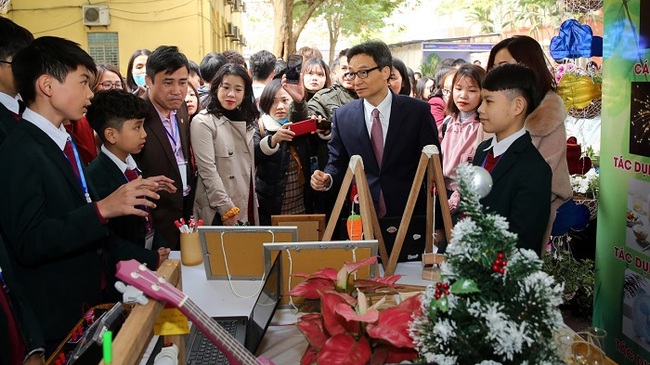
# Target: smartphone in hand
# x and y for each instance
(294, 67)
(303, 127)
(324, 125)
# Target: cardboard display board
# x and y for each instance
(242, 245)
(310, 226)
(308, 257)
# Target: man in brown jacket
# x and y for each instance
(167, 151)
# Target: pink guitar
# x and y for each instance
(134, 273)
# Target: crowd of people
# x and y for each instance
(97, 167)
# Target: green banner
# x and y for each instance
(622, 295)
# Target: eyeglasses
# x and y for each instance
(363, 74)
(446, 92)
(111, 85)
(7, 62)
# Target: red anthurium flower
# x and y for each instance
(335, 324)
(309, 357)
(347, 312)
(377, 283)
(343, 349)
(320, 274)
(392, 327)
(412, 304)
(352, 267)
(310, 289)
(347, 297)
(311, 325)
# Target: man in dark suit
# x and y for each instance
(167, 151)
(387, 130)
(53, 226)
(13, 37)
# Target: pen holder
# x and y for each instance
(191, 249)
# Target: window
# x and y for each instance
(103, 47)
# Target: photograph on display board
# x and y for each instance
(636, 309)
(640, 119)
(637, 217)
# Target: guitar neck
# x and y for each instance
(234, 351)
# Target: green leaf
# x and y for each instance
(464, 286)
(443, 304)
(433, 311)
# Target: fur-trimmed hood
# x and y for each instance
(270, 124)
(547, 117)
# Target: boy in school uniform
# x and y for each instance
(521, 189)
(54, 226)
(21, 341)
(118, 116)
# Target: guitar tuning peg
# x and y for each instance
(142, 300)
(120, 286)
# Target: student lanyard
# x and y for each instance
(82, 177)
(176, 132)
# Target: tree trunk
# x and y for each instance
(334, 29)
(280, 26)
(289, 39)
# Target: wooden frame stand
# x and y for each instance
(371, 229)
(429, 164)
(311, 227)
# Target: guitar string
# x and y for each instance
(225, 262)
(220, 333)
(184, 301)
(289, 288)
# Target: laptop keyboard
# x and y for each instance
(203, 351)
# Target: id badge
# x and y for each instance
(148, 240)
(182, 168)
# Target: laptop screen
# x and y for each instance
(265, 306)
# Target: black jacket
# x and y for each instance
(272, 166)
(521, 190)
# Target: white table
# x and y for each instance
(283, 342)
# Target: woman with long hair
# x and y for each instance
(136, 70)
(222, 140)
(315, 76)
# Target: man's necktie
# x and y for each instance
(377, 141)
(69, 153)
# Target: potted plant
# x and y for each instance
(585, 190)
(343, 328)
(578, 278)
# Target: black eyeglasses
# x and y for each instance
(362, 74)
(7, 62)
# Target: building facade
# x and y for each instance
(111, 30)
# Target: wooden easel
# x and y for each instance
(429, 163)
(371, 229)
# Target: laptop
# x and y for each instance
(248, 331)
(414, 241)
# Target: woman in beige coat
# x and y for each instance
(222, 140)
(546, 123)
